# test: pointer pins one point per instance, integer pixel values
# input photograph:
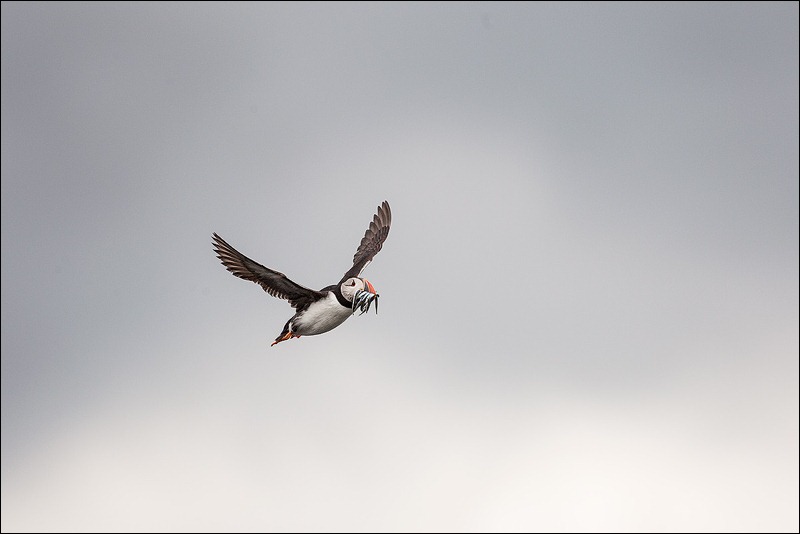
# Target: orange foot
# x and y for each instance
(287, 335)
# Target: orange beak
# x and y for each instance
(369, 287)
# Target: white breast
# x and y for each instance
(322, 316)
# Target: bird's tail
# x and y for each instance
(286, 334)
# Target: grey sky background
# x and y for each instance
(589, 312)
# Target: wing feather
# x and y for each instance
(273, 282)
(372, 241)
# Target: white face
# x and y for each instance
(350, 287)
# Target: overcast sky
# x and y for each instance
(589, 294)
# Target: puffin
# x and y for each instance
(316, 312)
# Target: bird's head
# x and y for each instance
(360, 293)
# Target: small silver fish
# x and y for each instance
(363, 300)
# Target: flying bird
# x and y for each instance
(320, 311)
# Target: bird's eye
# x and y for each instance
(353, 283)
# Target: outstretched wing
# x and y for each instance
(372, 241)
(273, 282)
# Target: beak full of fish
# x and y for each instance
(363, 300)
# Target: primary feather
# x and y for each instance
(372, 241)
(275, 283)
